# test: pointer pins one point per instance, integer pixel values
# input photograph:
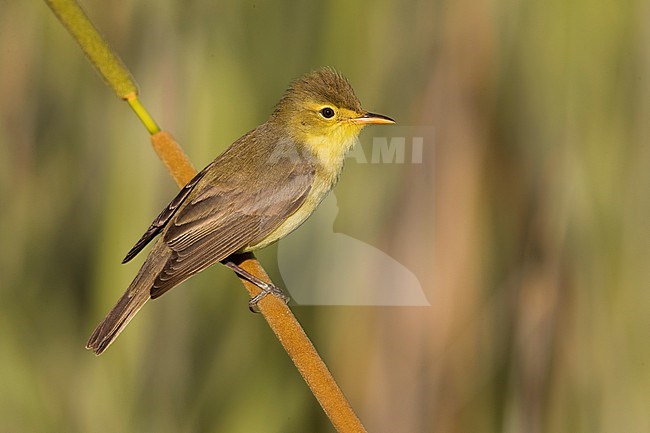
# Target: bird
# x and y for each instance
(261, 188)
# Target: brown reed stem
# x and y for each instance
(277, 314)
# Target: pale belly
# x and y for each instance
(316, 195)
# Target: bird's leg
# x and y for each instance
(265, 287)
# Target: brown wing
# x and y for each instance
(223, 217)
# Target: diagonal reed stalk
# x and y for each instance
(278, 315)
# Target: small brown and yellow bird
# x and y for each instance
(259, 190)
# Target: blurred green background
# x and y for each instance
(527, 223)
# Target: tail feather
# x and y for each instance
(131, 301)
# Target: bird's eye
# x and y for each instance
(327, 112)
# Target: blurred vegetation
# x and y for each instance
(527, 223)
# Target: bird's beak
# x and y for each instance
(372, 118)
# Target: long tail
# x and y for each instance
(131, 301)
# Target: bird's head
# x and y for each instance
(321, 111)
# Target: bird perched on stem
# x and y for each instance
(257, 191)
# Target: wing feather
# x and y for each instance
(223, 219)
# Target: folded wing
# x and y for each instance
(225, 217)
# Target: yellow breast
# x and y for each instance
(330, 163)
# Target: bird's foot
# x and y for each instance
(266, 289)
